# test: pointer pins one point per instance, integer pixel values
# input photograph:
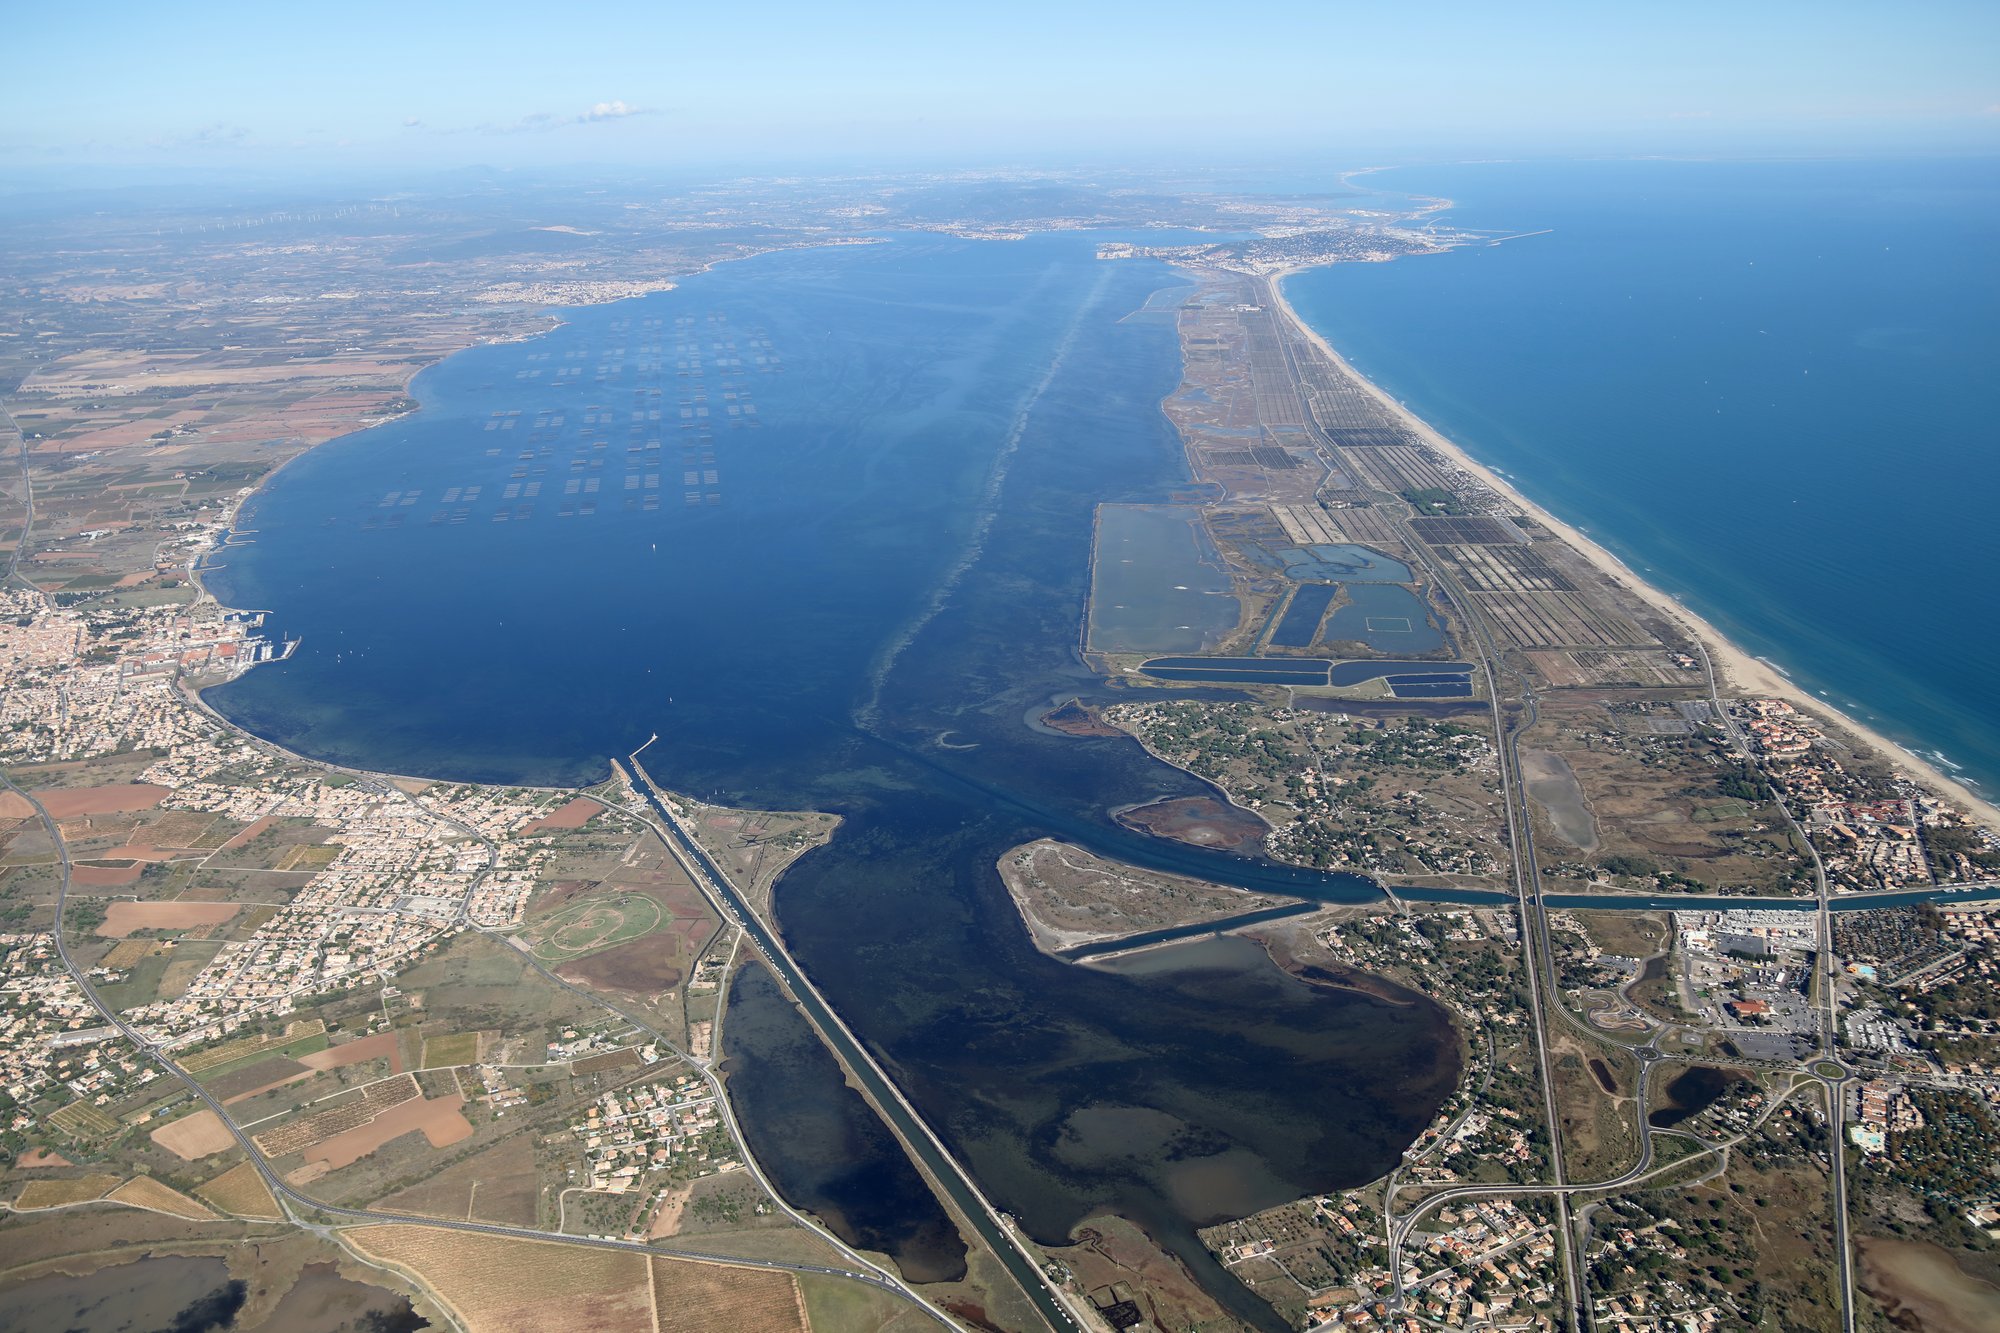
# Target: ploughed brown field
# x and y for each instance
(123, 798)
(249, 833)
(439, 1118)
(573, 815)
(122, 918)
(105, 877)
(381, 1046)
(194, 1136)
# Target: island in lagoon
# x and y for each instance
(1078, 971)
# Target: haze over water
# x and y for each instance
(1769, 387)
(885, 590)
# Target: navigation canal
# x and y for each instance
(853, 599)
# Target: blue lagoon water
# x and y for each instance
(857, 603)
(1767, 386)
(1158, 583)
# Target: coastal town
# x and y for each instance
(309, 952)
(1718, 970)
(1785, 1050)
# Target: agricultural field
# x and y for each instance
(456, 1048)
(244, 1048)
(195, 1136)
(239, 1083)
(59, 1193)
(501, 1285)
(146, 1192)
(242, 1192)
(837, 1306)
(440, 1119)
(81, 1120)
(693, 1297)
(271, 843)
(300, 1134)
(123, 918)
(497, 1184)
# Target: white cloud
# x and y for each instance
(549, 120)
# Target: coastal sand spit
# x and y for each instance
(1741, 672)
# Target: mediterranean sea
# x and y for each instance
(822, 521)
(1767, 386)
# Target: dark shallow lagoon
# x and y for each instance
(188, 1294)
(144, 1296)
(821, 1138)
(889, 582)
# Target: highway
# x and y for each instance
(938, 1163)
(1829, 1017)
(1638, 1172)
(865, 1269)
(1536, 950)
(1526, 873)
(296, 1202)
(291, 1199)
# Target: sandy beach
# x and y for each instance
(1739, 672)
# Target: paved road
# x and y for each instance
(1824, 997)
(1526, 873)
(1638, 1172)
(864, 1268)
(294, 1199)
(1535, 941)
(938, 1162)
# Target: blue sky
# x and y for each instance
(670, 84)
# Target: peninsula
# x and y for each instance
(1432, 680)
(1692, 970)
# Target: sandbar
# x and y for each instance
(1740, 672)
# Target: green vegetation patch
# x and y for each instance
(839, 1305)
(587, 927)
(459, 1048)
(303, 1046)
